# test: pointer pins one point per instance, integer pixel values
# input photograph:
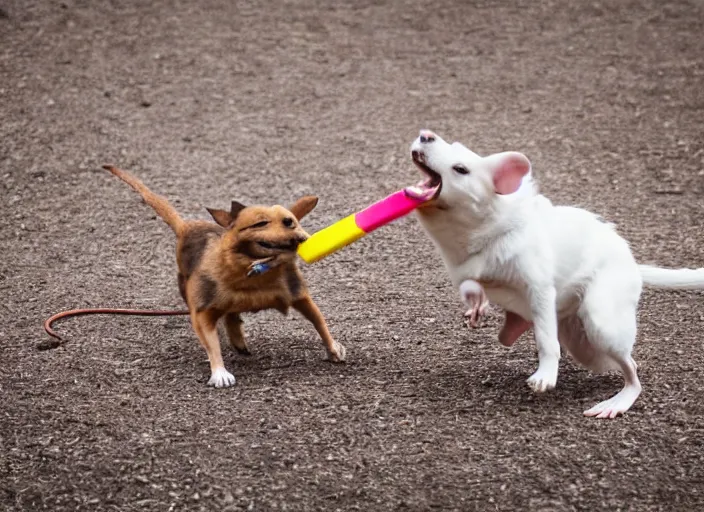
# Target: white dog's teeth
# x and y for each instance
(415, 192)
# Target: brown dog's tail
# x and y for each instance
(160, 204)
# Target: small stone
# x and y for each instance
(145, 103)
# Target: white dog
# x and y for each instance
(558, 269)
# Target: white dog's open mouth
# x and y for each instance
(430, 187)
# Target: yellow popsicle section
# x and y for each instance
(330, 239)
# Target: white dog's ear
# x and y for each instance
(507, 170)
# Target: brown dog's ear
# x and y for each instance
(303, 206)
(220, 216)
(225, 219)
(235, 208)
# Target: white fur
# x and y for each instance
(221, 378)
(561, 268)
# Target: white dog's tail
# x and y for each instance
(674, 279)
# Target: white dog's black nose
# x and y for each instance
(426, 136)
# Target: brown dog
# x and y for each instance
(216, 263)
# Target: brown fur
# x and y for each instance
(214, 261)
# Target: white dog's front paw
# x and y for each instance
(472, 293)
(221, 378)
(543, 380)
(474, 315)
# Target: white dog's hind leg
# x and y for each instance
(514, 326)
(545, 328)
(608, 312)
(625, 398)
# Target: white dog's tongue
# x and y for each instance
(423, 191)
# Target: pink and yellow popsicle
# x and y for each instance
(355, 226)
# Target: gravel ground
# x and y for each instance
(266, 101)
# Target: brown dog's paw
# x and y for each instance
(243, 351)
(221, 378)
(339, 353)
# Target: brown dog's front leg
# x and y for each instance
(235, 332)
(204, 323)
(308, 308)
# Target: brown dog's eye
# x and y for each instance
(460, 169)
(288, 222)
(259, 224)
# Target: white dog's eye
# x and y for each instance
(461, 169)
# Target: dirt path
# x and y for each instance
(266, 101)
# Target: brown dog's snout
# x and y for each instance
(301, 236)
(293, 243)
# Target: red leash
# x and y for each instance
(58, 340)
